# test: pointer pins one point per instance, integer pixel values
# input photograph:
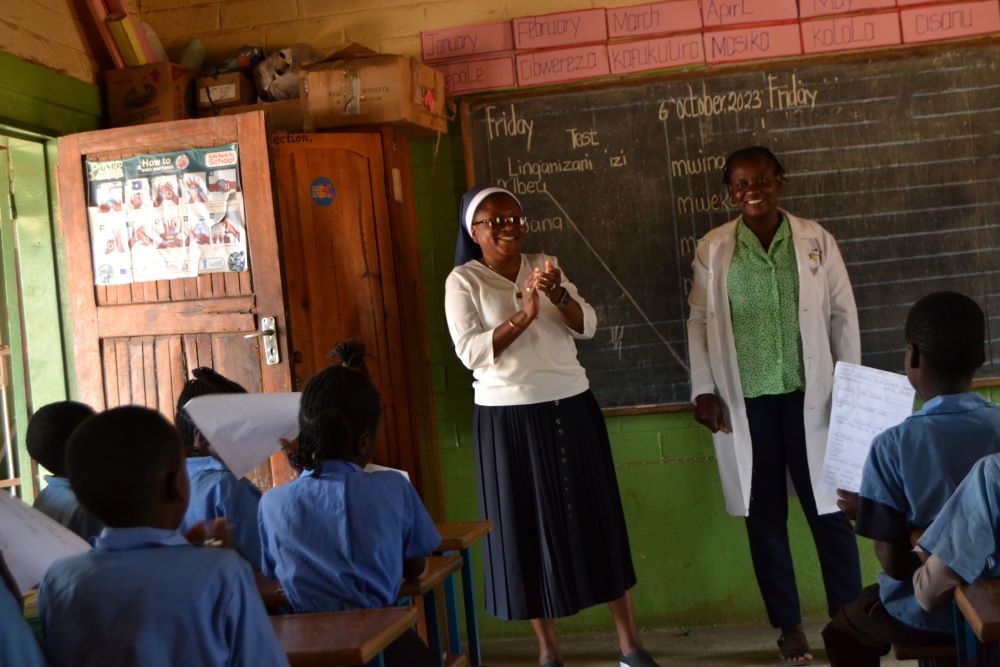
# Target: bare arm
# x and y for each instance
(896, 558)
(934, 584)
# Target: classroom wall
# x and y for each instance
(388, 26)
(47, 33)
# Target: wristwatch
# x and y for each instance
(563, 300)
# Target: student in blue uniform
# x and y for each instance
(215, 492)
(962, 543)
(912, 469)
(340, 538)
(48, 431)
(18, 645)
(144, 595)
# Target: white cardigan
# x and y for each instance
(541, 364)
(828, 324)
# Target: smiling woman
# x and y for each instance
(772, 311)
(546, 477)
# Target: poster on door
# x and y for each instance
(167, 215)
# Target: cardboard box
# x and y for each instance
(283, 116)
(147, 94)
(373, 90)
(224, 90)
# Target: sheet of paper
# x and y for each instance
(244, 428)
(866, 401)
(31, 541)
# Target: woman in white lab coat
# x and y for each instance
(772, 311)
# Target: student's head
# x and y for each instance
(945, 339)
(340, 411)
(126, 466)
(49, 430)
(204, 381)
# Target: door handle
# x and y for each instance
(268, 335)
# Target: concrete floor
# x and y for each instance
(726, 646)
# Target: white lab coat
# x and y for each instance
(828, 324)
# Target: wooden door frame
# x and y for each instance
(248, 130)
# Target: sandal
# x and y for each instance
(800, 655)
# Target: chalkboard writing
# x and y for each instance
(898, 158)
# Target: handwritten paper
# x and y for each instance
(866, 401)
(244, 429)
(31, 541)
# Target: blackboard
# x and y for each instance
(898, 155)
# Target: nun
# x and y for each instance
(546, 478)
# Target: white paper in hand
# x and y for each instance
(866, 401)
(244, 429)
(31, 541)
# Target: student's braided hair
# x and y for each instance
(204, 381)
(338, 404)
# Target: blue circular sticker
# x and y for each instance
(323, 192)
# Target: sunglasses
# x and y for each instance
(500, 222)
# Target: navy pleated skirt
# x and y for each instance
(547, 482)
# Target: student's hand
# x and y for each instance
(848, 502)
(708, 412)
(211, 532)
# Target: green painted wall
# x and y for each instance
(36, 105)
(691, 558)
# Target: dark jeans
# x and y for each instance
(779, 445)
(863, 631)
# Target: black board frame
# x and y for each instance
(898, 52)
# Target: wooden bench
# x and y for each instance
(460, 536)
(341, 637)
(439, 569)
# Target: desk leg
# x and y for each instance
(380, 660)
(471, 622)
(433, 631)
(451, 612)
(965, 639)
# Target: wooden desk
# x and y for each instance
(438, 571)
(977, 617)
(340, 637)
(459, 537)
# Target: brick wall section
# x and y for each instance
(388, 26)
(47, 33)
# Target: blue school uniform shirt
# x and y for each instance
(58, 501)
(964, 534)
(18, 645)
(912, 469)
(145, 596)
(216, 492)
(336, 537)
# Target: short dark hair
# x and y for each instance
(49, 430)
(751, 154)
(338, 404)
(949, 329)
(114, 460)
(204, 381)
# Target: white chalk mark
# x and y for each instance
(635, 304)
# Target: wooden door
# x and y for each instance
(136, 343)
(340, 269)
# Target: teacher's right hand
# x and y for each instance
(708, 412)
(529, 296)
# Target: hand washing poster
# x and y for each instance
(166, 215)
